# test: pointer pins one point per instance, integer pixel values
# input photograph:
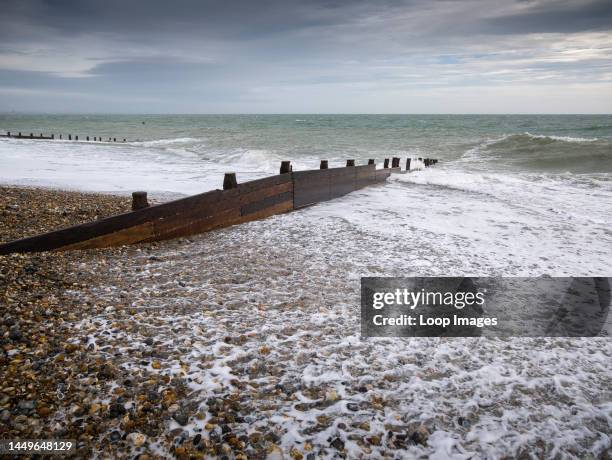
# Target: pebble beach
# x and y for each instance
(244, 343)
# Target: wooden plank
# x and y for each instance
(129, 235)
(310, 181)
(297, 175)
(343, 183)
(311, 187)
(257, 195)
(173, 228)
(266, 182)
(366, 175)
(279, 208)
(226, 219)
(310, 196)
(267, 202)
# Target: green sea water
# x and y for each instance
(574, 143)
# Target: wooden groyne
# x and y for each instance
(236, 203)
(70, 137)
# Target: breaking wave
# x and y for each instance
(167, 142)
(546, 153)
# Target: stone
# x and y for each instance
(337, 444)
(15, 334)
(137, 439)
(272, 437)
(374, 440)
(116, 410)
(420, 435)
(26, 406)
(464, 422)
(181, 418)
(352, 407)
(275, 453)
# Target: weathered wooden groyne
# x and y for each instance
(236, 203)
(70, 137)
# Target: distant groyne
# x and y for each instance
(68, 137)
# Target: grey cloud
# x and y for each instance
(201, 54)
(239, 19)
(555, 16)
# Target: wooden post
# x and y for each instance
(139, 200)
(371, 161)
(114, 139)
(76, 138)
(69, 137)
(124, 139)
(395, 163)
(229, 181)
(8, 134)
(109, 139)
(31, 136)
(285, 167)
(19, 134)
(350, 163)
(324, 164)
(40, 135)
(88, 138)
(60, 136)
(407, 164)
(386, 165)
(52, 136)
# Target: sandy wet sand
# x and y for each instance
(245, 342)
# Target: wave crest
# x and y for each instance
(540, 152)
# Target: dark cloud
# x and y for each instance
(254, 19)
(198, 18)
(555, 16)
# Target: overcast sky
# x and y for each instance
(292, 56)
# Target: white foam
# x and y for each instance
(115, 167)
(166, 142)
(562, 138)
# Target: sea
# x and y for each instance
(511, 194)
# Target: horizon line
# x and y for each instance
(305, 113)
